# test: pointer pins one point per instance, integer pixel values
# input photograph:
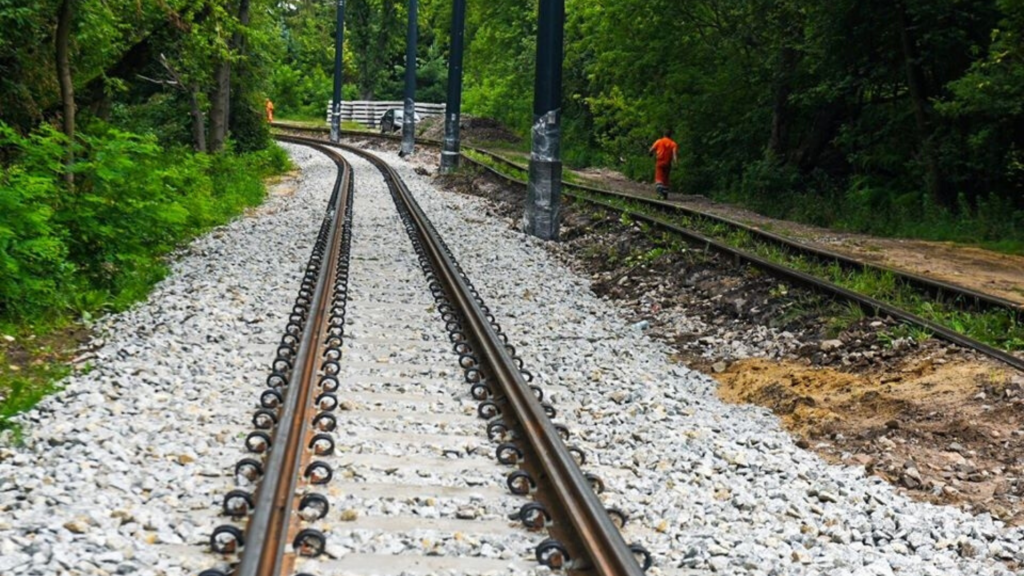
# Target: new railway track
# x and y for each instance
(358, 415)
(662, 215)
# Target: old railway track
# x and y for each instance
(661, 215)
(358, 419)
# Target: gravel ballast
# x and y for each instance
(710, 486)
(123, 470)
(415, 477)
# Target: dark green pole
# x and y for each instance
(409, 113)
(339, 46)
(545, 187)
(453, 105)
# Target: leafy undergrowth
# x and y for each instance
(69, 253)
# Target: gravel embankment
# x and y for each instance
(710, 485)
(122, 472)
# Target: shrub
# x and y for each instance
(101, 243)
(32, 250)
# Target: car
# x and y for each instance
(391, 121)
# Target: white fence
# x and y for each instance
(368, 113)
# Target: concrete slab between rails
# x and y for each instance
(410, 565)
(356, 340)
(361, 306)
(391, 327)
(418, 524)
(379, 379)
(362, 293)
(422, 369)
(268, 350)
(433, 464)
(389, 333)
(415, 491)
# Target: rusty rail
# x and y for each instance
(589, 523)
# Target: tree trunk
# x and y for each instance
(220, 111)
(67, 88)
(198, 126)
(219, 106)
(238, 40)
(938, 188)
(824, 128)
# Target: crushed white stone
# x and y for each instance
(709, 486)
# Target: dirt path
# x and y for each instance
(982, 270)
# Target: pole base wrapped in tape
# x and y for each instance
(408, 128)
(544, 192)
(450, 146)
(545, 188)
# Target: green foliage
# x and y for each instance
(798, 109)
(499, 62)
(102, 244)
(32, 254)
(23, 391)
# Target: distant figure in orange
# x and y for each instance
(270, 110)
(666, 155)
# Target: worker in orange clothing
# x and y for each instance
(666, 155)
(270, 110)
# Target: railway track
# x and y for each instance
(662, 215)
(392, 394)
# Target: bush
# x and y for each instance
(33, 254)
(101, 243)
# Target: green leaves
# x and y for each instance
(134, 201)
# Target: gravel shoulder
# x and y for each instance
(940, 422)
(122, 471)
(712, 485)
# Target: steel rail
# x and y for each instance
(930, 285)
(267, 530)
(603, 543)
(936, 288)
(867, 303)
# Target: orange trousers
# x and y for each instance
(662, 173)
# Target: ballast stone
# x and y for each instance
(681, 444)
(122, 470)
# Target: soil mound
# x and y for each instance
(471, 130)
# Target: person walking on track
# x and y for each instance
(270, 110)
(666, 155)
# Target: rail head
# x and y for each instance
(267, 530)
(931, 285)
(603, 543)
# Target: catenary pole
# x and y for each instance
(453, 105)
(339, 44)
(409, 113)
(545, 187)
